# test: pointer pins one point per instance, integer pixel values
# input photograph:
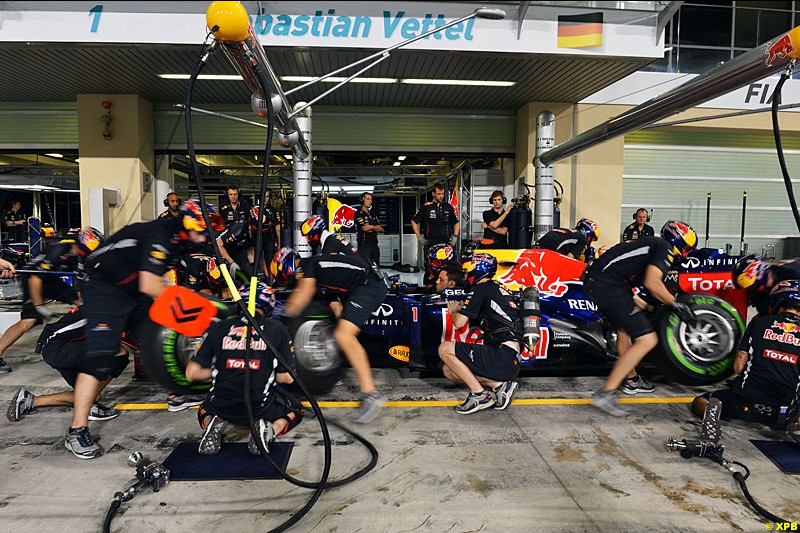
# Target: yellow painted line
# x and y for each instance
(437, 403)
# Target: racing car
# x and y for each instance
(408, 327)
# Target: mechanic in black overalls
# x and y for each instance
(757, 276)
(63, 347)
(220, 357)
(609, 282)
(765, 390)
(58, 257)
(340, 272)
(271, 228)
(367, 228)
(16, 223)
(435, 223)
(494, 224)
(640, 228)
(125, 275)
(235, 247)
(573, 243)
(235, 209)
(494, 363)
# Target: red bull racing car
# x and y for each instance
(408, 327)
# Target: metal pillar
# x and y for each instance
(543, 206)
(302, 179)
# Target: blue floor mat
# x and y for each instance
(785, 455)
(232, 462)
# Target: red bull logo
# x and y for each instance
(780, 50)
(786, 327)
(532, 269)
(343, 217)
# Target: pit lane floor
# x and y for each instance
(548, 463)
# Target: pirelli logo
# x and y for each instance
(238, 364)
(783, 357)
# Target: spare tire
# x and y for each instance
(319, 364)
(165, 355)
(701, 353)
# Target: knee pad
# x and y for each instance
(293, 418)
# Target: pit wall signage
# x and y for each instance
(368, 25)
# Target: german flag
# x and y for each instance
(580, 31)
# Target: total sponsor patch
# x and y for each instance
(783, 357)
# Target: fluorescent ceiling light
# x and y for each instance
(481, 83)
(401, 158)
(56, 155)
(77, 159)
(32, 188)
(396, 164)
(224, 77)
(339, 79)
(337, 189)
(288, 156)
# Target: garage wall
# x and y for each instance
(54, 125)
(672, 172)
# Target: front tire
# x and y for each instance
(701, 353)
(165, 354)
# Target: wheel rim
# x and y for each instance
(314, 347)
(185, 348)
(709, 340)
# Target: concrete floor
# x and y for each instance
(535, 467)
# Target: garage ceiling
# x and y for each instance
(57, 73)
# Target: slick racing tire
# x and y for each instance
(165, 355)
(319, 364)
(700, 353)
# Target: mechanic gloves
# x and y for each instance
(684, 312)
(422, 240)
(453, 240)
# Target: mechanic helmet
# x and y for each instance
(265, 297)
(312, 229)
(479, 267)
(439, 256)
(254, 211)
(589, 228)
(71, 236)
(89, 240)
(282, 266)
(785, 294)
(751, 273)
(191, 216)
(681, 236)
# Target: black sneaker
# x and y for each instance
(21, 405)
(504, 393)
(5, 368)
(211, 441)
(100, 412)
(475, 402)
(265, 433)
(637, 385)
(177, 403)
(80, 443)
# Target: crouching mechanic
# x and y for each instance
(573, 243)
(609, 282)
(766, 388)
(59, 257)
(125, 275)
(757, 276)
(221, 358)
(63, 346)
(339, 272)
(495, 363)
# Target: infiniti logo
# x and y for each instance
(384, 310)
(691, 262)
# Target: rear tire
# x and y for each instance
(702, 353)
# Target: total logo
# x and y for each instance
(709, 284)
(783, 357)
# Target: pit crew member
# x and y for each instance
(340, 272)
(220, 357)
(609, 282)
(367, 228)
(571, 242)
(436, 222)
(495, 363)
(640, 228)
(494, 222)
(757, 276)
